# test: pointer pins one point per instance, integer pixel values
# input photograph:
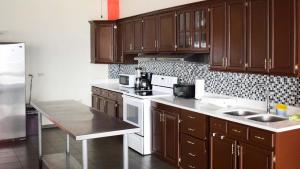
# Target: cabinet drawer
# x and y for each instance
(96, 91)
(194, 124)
(104, 93)
(218, 126)
(192, 147)
(237, 131)
(112, 95)
(261, 137)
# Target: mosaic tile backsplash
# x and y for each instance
(251, 86)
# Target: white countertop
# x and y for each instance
(215, 106)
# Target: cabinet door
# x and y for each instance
(118, 56)
(95, 102)
(236, 35)
(201, 29)
(255, 158)
(166, 32)
(138, 35)
(111, 108)
(258, 35)
(184, 30)
(120, 111)
(218, 35)
(150, 34)
(157, 133)
(128, 36)
(283, 57)
(171, 142)
(104, 43)
(222, 153)
(102, 104)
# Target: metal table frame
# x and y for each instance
(84, 146)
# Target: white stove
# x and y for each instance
(137, 110)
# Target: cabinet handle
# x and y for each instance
(296, 68)
(266, 64)
(238, 150)
(191, 41)
(223, 62)
(270, 64)
(232, 149)
(190, 142)
(190, 166)
(190, 129)
(191, 154)
(259, 138)
(222, 137)
(214, 134)
(191, 117)
(226, 62)
(236, 131)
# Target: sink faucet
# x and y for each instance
(267, 95)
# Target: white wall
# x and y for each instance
(56, 33)
(134, 7)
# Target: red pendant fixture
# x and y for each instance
(113, 9)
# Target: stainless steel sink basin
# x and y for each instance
(240, 113)
(267, 118)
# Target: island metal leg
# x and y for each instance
(125, 151)
(84, 154)
(68, 144)
(40, 138)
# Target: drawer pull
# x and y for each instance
(190, 142)
(190, 166)
(190, 129)
(191, 117)
(191, 154)
(232, 149)
(222, 137)
(214, 134)
(259, 138)
(236, 131)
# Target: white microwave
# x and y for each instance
(126, 80)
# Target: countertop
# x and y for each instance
(215, 105)
(81, 122)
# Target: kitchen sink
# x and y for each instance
(267, 118)
(240, 113)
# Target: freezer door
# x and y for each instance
(12, 91)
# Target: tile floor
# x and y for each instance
(104, 153)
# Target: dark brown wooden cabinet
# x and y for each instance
(283, 53)
(218, 35)
(236, 35)
(133, 36)
(193, 29)
(166, 32)
(251, 157)
(108, 102)
(150, 34)
(102, 41)
(258, 35)
(222, 153)
(165, 135)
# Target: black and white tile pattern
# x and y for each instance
(285, 89)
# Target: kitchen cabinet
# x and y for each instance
(166, 32)
(133, 36)
(222, 153)
(218, 35)
(107, 102)
(258, 35)
(236, 35)
(150, 34)
(102, 41)
(165, 135)
(193, 29)
(283, 25)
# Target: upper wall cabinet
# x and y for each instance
(150, 34)
(102, 41)
(260, 36)
(193, 29)
(132, 36)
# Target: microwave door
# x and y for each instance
(133, 112)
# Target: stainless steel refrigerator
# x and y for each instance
(12, 91)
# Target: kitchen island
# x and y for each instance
(82, 124)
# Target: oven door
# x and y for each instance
(133, 112)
